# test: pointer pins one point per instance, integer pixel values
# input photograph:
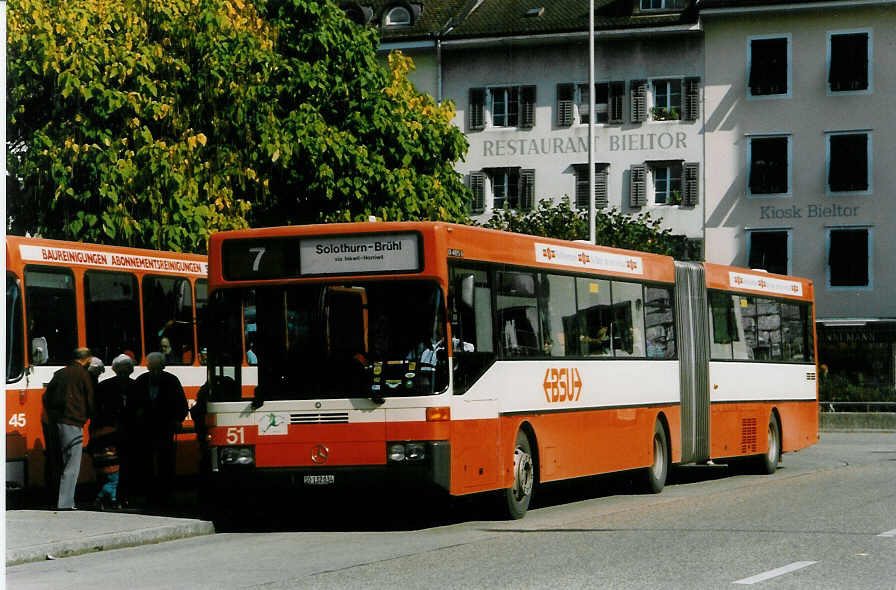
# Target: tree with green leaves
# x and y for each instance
(154, 124)
(612, 228)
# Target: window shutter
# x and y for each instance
(691, 195)
(564, 105)
(638, 185)
(477, 187)
(527, 189)
(617, 95)
(691, 99)
(601, 197)
(477, 108)
(527, 107)
(639, 100)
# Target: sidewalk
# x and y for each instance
(33, 535)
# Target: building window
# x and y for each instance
(509, 106)
(769, 250)
(666, 100)
(848, 162)
(769, 159)
(572, 103)
(849, 257)
(848, 61)
(505, 106)
(601, 174)
(608, 101)
(398, 16)
(512, 188)
(769, 66)
(666, 183)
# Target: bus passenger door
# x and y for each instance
(475, 444)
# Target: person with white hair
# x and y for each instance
(108, 432)
(162, 406)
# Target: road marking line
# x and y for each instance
(797, 565)
(888, 534)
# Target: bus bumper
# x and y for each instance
(434, 471)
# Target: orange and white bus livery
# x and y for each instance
(475, 360)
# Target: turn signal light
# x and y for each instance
(439, 414)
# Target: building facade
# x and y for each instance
(761, 127)
(801, 166)
(518, 76)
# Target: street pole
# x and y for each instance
(591, 115)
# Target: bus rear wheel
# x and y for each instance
(767, 463)
(517, 497)
(653, 478)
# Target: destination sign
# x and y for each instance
(360, 254)
(301, 256)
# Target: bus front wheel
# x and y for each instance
(517, 497)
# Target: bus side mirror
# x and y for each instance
(467, 290)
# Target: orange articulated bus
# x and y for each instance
(62, 295)
(473, 360)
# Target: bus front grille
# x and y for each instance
(319, 418)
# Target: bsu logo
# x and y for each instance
(562, 385)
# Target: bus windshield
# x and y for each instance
(372, 339)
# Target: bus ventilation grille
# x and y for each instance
(748, 436)
(330, 418)
(810, 376)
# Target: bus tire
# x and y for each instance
(517, 497)
(767, 463)
(653, 478)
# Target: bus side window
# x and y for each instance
(518, 325)
(792, 333)
(722, 327)
(659, 322)
(628, 319)
(768, 324)
(51, 312)
(15, 357)
(112, 314)
(558, 303)
(745, 343)
(168, 318)
(594, 317)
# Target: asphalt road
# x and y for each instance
(827, 519)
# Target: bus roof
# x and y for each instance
(476, 244)
(23, 250)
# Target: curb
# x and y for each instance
(107, 541)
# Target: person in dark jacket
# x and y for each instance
(107, 431)
(68, 402)
(158, 412)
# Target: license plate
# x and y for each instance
(319, 480)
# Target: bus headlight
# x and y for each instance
(237, 456)
(406, 451)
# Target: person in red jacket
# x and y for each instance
(68, 402)
(157, 414)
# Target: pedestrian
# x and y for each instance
(160, 409)
(68, 403)
(107, 431)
